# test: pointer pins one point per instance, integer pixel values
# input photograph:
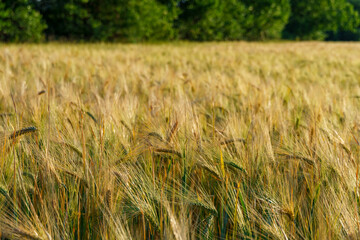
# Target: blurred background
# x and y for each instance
(168, 20)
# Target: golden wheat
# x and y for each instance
(180, 141)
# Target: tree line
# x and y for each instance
(166, 20)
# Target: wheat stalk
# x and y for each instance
(11, 137)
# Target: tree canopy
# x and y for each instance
(163, 20)
(313, 19)
(19, 22)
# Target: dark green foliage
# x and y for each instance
(67, 19)
(163, 20)
(201, 20)
(356, 4)
(312, 19)
(265, 19)
(343, 33)
(19, 22)
(233, 19)
(133, 20)
(112, 20)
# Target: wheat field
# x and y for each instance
(180, 141)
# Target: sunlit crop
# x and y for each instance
(180, 141)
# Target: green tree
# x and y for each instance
(19, 22)
(109, 20)
(313, 19)
(265, 19)
(343, 33)
(134, 20)
(67, 19)
(233, 19)
(201, 20)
